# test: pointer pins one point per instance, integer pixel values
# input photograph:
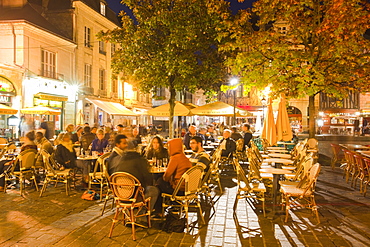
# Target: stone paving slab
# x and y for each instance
(60, 220)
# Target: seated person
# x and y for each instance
(65, 154)
(199, 155)
(135, 164)
(87, 138)
(247, 135)
(136, 137)
(235, 135)
(117, 152)
(177, 166)
(29, 143)
(77, 135)
(99, 143)
(156, 149)
(227, 145)
(43, 144)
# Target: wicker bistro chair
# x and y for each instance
(109, 195)
(53, 175)
(130, 201)
(362, 174)
(193, 185)
(26, 160)
(99, 178)
(292, 194)
(239, 153)
(367, 169)
(338, 155)
(248, 189)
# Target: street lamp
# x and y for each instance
(233, 82)
(263, 101)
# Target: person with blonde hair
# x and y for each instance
(65, 154)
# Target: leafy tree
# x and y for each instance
(172, 44)
(323, 49)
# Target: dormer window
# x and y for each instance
(102, 8)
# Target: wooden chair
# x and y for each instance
(130, 201)
(193, 185)
(55, 176)
(99, 178)
(296, 196)
(367, 168)
(338, 155)
(26, 161)
(248, 189)
(362, 171)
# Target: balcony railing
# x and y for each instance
(102, 93)
(52, 75)
(87, 90)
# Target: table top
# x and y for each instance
(277, 160)
(87, 157)
(355, 147)
(154, 169)
(275, 171)
(364, 153)
(276, 148)
(279, 155)
(208, 147)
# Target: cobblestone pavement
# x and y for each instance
(60, 220)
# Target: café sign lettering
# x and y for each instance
(4, 99)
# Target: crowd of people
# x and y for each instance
(126, 156)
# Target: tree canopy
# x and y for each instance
(172, 44)
(302, 48)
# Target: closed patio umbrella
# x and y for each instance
(181, 109)
(80, 118)
(269, 127)
(219, 109)
(4, 109)
(283, 129)
(42, 110)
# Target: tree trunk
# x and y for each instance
(171, 101)
(312, 119)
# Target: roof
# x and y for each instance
(94, 4)
(31, 13)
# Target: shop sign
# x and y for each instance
(4, 99)
(6, 86)
(48, 103)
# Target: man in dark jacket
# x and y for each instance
(227, 145)
(113, 160)
(135, 164)
(247, 135)
(87, 138)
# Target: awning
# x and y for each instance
(41, 110)
(4, 109)
(54, 97)
(112, 108)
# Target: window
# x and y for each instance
(114, 86)
(102, 47)
(48, 64)
(112, 49)
(102, 8)
(87, 75)
(87, 37)
(102, 79)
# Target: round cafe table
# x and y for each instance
(277, 173)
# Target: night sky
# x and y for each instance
(235, 5)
